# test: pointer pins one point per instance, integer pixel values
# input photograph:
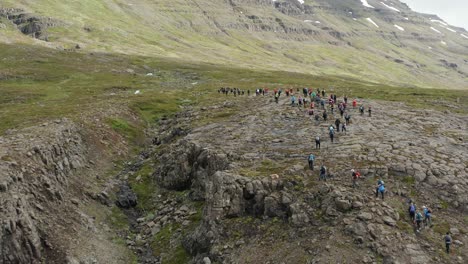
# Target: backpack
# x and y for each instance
(311, 157)
(448, 239)
(381, 188)
(418, 216)
(412, 209)
(323, 170)
(317, 139)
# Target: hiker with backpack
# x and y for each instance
(347, 118)
(332, 133)
(317, 142)
(448, 241)
(311, 161)
(412, 212)
(370, 111)
(337, 123)
(293, 100)
(354, 104)
(419, 219)
(355, 176)
(325, 115)
(382, 190)
(323, 173)
(427, 216)
(343, 128)
(361, 110)
(379, 182)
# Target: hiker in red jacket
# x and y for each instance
(354, 103)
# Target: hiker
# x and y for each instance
(325, 115)
(419, 219)
(343, 128)
(323, 93)
(345, 99)
(448, 241)
(382, 189)
(354, 103)
(311, 112)
(322, 103)
(427, 216)
(293, 100)
(347, 118)
(300, 101)
(332, 133)
(361, 109)
(412, 212)
(323, 173)
(312, 105)
(337, 123)
(248, 92)
(311, 161)
(332, 107)
(379, 182)
(317, 118)
(276, 97)
(317, 142)
(355, 178)
(370, 111)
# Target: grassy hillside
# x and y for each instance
(37, 84)
(258, 36)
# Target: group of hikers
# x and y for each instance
(233, 91)
(417, 217)
(309, 100)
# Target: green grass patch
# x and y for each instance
(408, 180)
(161, 246)
(441, 227)
(404, 226)
(265, 168)
(144, 186)
(444, 204)
(117, 219)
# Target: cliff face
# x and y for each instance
(378, 41)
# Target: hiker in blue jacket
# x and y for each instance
(379, 182)
(382, 189)
(311, 161)
(427, 216)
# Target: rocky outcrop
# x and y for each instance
(35, 167)
(30, 24)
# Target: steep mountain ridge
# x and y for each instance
(384, 43)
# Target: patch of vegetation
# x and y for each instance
(144, 186)
(444, 204)
(265, 168)
(117, 219)
(161, 246)
(404, 226)
(408, 180)
(441, 227)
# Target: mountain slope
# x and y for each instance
(387, 43)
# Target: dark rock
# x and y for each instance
(126, 198)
